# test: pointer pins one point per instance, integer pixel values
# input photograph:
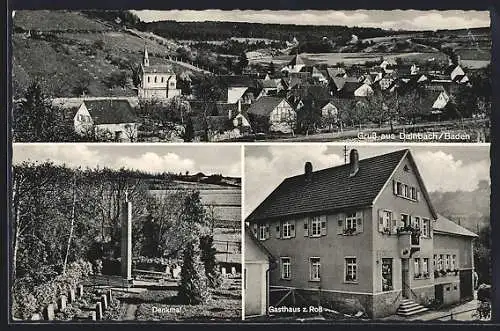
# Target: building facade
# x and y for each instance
(362, 234)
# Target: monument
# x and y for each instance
(126, 242)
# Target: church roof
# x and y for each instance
(158, 68)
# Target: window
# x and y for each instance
(416, 222)
(447, 262)
(413, 193)
(399, 188)
(453, 262)
(386, 221)
(278, 231)
(285, 268)
(434, 262)
(405, 190)
(262, 232)
(172, 84)
(426, 228)
(350, 222)
(315, 266)
(440, 262)
(149, 79)
(405, 219)
(351, 269)
(288, 228)
(162, 79)
(416, 264)
(315, 226)
(387, 274)
(425, 267)
(155, 79)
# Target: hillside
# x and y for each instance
(470, 209)
(71, 52)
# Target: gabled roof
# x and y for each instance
(158, 68)
(316, 92)
(330, 189)
(298, 60)
(264, 105)
(259, 244)
(110, 111)
(445, 226)
(335, 72)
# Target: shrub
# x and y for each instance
(28, 300)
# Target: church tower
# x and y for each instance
(145, 60)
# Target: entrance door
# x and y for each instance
(405, 278)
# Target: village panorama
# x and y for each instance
(123, 76)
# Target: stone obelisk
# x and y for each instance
(126, 242)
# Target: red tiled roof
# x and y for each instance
(330, 189)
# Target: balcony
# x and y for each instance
(408, 240)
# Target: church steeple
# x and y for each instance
(145, 59)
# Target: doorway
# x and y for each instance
(405, 279)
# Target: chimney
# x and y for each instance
(354, 162)
(308, 169)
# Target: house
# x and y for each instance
(329, 110)
(258, 261)
(278, 112)
(296, 64)
(115, 116)
(363, 234)
(363, 91)
(157, 81)
(241, 87)
(433, 101)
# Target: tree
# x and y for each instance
(188, 134)
(193, 288)
(208, 257)
(242, 63)
(482, 255)
(36, 120)
(309, 116)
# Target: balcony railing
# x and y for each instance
(414, 231)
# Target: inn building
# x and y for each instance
(364, 234)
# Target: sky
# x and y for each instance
(446, 169)
(209, 159)
(395, 19)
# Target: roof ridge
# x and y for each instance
(361, 160)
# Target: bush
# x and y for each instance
(28, 300)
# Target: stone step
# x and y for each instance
(408, 305)
(410, 309)
(414, 312)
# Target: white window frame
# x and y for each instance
(386, 219)
(425, 266)
(453, 262)
(447, 262)
(315, 225)
(417, 267)
(314, 269)
(286, 230)
(262, 232)
(408, 221)
(350, 220)
(441, 262)
(353, 266)
(426, 227)
(286, 267)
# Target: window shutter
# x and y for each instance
(323, 225)
(306, 227)
(292, 228)
(418, 195)
(278, 230)
(395, 186)
(381, 220)
(255, 229)
(267, 231)
(359, 221)
(340, 223)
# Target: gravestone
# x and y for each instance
(126, 240)
(176, 271)
(49, 312)
(104, 301)
(71, 295)
(98, 311)
(62, 302)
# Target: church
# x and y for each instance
(157, 81)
